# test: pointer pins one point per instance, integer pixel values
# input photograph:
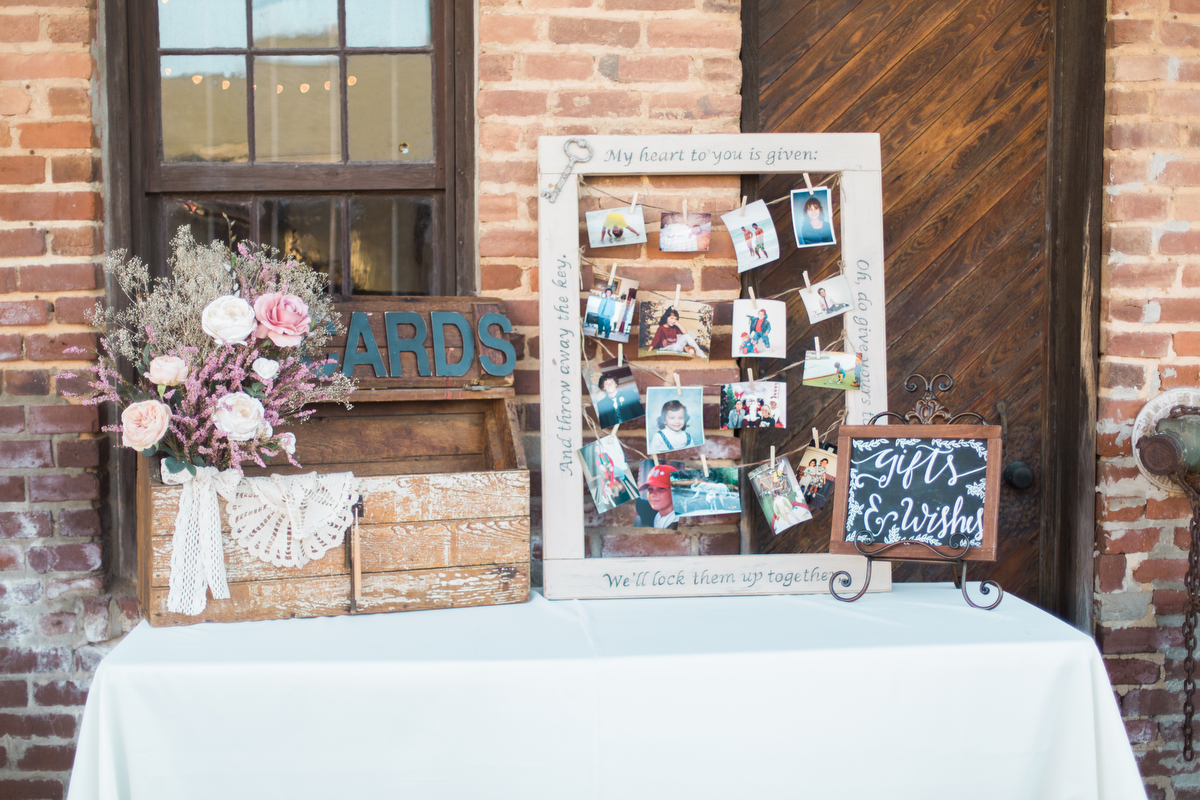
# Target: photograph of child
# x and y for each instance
(753, 232)
(695, 494)
(655, 506)
(759, 329)
(763, 406)
(614, 393)
(779, 495)
(608, 477)
(668, 329)
(610, 227)
(674, 419)
(812, 217)
(610, 307)
(828, 298)
(818, 473)
(831, 369)
(679, 235)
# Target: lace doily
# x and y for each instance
(289, 520)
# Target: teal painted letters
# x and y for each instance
(487, 340)
(392, 320)
(360, 326)
(440, 319)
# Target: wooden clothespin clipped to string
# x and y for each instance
(678, 385)
(704, 463)
(617, 427)
(808, 183)
(620, 353)
(807, 282)
(635, 199)
(753, 299)
(744, 198)
(612, 275)
(655, 457)
(677, 288)
(750, 372)
(816, 439)
(817, 344)
(772, 456)
(685, 210)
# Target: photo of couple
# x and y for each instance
(818, 476)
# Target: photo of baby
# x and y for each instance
(831, 369)
(753, 232)
(762, 406)
(695, 494)
(674, 418)
(779, 495)
(829, 298)
(759, 329)
(610, 307)
(812, 217)
(818, 474)
(677, 234)
(610, 227)
(668, 329)
(614, 393)
(655, 506)
(608, 478)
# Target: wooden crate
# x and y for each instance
(446, 510)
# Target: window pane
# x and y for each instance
(391, 107)
(307, 228)
(210, 220)
(204, 108)
(295, 23)
(201, 23)
(387, 23)
(391, 245)
(296, 113)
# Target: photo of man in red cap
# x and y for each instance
(655, 507)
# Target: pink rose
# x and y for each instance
(144, 424)
(282, 317)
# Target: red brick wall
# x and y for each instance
(1150, 332)
(55, 617)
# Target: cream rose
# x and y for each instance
(288, 442)
(144, 424)
(229, 320)
(239, 415)
(168, 371)
(283, 318)
(265, 368)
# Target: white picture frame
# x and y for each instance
(567, 574)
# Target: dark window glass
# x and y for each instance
(309, 228)
(391, 246)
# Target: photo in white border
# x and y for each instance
(812, 217)
(610, 307)
(817, 476)
(833, 369)
(694, 494)
(674, 418)
(677, 234)
(607, 474)
(614, 393)
(762, 406)
(753, 233)
(828, 298)
(613, 227)
(759, 329)
(779, 495)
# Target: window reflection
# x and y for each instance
(295, 23)
(297, 109)
(307, 228)
(391, 107)
(387, 23)
(391, 246)
(225, 221)
(204, 108)
(201, 23)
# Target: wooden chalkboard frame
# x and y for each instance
(567, 572)
(915, 552)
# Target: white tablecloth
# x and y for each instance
(904, 695)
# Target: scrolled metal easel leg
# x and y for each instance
(985, 588)
(843, 577)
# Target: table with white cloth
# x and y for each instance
(908, 694)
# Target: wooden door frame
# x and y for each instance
(1074, 220)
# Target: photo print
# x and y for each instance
(614, 392)
(817, 474)
(695, 494)
(611, 227)
(607, 474)
(812, 217)
(831, 369)
(759, 329)
(829, 298)
(763, 406)
(753, 232)
(670, 329)
(779, 495)
(655, 506)
(674, 418)
(610, 307)
(684, 234)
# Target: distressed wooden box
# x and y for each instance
(445, 491)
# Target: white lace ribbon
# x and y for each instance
(289, 520)
(197, 557)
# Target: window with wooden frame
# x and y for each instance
(335, 130)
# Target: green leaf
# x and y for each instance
(191, 468)
(174, 465)
(149, 451)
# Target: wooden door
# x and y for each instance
(959, 92)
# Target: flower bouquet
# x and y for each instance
(204, 365)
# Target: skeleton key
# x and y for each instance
(572, 160)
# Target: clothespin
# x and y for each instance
(634, 203)
(612, 275)
(753, 299)
(655, 457)
(685, 211)
(620, 353)
(677, 288)
(816, 439)
(808, 183)
(817, 343)
(704, 463)
(678, 385)
(744, 205)
(617, 427)
(807, 282)
(750, 372)
(772, 456)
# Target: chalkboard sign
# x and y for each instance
(934, 484)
